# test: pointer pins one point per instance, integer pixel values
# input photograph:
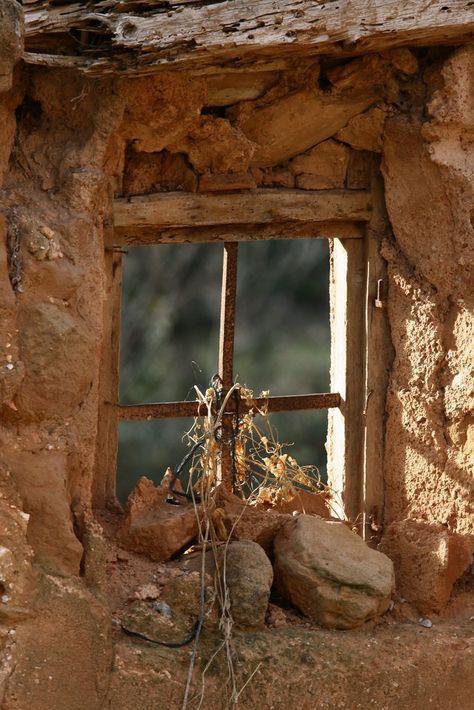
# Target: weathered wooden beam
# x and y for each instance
(110, 37)
(345, 441)
(192, 210)
(236, 233)
(378, 360)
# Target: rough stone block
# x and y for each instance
(364, 132)
(322, 168)
(155, 528)
(294, 123)
(58, 352)
(250, 522)
(330, 574)
(249, 577)
(306, 502)
(428, 559)
(41, 481)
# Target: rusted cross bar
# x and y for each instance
(226, 353)
(172, 410)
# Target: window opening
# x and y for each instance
(226, 373)
(353, 220)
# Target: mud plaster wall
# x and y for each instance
(428, 171)
(67, 144)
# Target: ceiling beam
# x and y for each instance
(130, 37)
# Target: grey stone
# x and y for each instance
(330, 574)
(248, 575)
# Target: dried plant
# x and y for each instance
(263, 474)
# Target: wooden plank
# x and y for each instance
(378, 361)
(237, 233)
(105, 469)
(345, 425)
(180, 209)
(203, 33)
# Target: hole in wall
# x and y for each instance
(216, 111)
(29, 114)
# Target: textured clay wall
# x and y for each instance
(428, 168)
(65, 145)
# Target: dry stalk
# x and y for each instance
(263, 473)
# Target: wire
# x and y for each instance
(170, 644)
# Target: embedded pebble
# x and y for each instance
(162, 608)
(427, 623)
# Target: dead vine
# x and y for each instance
(263, 474)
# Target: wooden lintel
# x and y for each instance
(192, 34)
(173, 210)
(238, 233)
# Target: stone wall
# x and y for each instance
(66, 145)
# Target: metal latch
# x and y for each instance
(379, 303)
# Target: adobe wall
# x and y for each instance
(66, 144)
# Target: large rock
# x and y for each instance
(296, 122)
(428, 559)
(11, 40)
(330, 574)
(58, 351)
(248, 575)
(41, 480)
(153, 527)
(323, 167)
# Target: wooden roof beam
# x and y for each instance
(105, 37)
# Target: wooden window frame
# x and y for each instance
(354, 221)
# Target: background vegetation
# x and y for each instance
(169, 342)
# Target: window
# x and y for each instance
(347, 219)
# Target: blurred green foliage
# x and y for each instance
(170, 334)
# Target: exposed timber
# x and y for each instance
(138, 37)
(150, 214)
(235, 233)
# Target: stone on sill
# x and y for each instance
(153, 527)
(330, 574)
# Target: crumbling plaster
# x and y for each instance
(63, 150)
(428, 171)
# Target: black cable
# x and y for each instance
(169, 644)
(177, 473)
